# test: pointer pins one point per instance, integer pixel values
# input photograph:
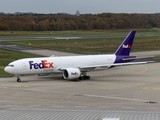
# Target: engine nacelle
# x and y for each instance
(71, 73)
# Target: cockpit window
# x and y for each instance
(10, 65)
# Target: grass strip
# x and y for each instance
(24, 34)
(93, 45)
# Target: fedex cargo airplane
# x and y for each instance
(74, 67)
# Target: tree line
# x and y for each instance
(49, 22)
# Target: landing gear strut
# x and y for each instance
(84, 76)
(18, 79)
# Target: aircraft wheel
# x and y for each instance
(18, 80)
(88, 77)
(81, 78)
(84, 77)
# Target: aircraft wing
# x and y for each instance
(111, 65)
(105, 66)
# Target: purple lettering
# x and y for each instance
(30, 62)
(36, 66)
(43, 64)
(74, 73)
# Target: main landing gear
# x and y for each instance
(84, 76)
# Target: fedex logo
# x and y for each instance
(75, 73)
(43, 64)
(126, 46)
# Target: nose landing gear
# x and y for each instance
(18, 78)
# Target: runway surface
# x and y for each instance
(128, 92)
(118, 92)
(77, 37)
(33, 50)
(123, 88)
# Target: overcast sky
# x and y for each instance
(84, 6)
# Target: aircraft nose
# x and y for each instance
(8, 69)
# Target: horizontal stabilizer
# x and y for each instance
(145, 57)
(132, 63)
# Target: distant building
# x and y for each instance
(77, 13)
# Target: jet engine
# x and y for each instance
(71, 73)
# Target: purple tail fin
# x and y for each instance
(125, 47)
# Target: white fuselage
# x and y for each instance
(44, 65)
(74, 67)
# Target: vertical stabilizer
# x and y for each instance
(125, 47)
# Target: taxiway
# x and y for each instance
(126, 88)
(121, 88)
